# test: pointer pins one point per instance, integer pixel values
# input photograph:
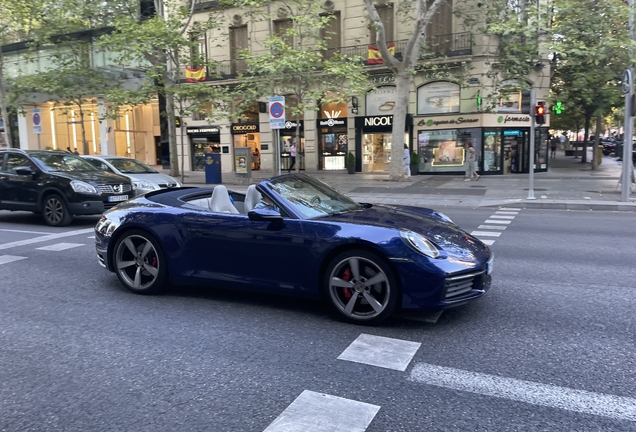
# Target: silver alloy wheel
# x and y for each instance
(359, 288)
(137, 262)
(54, 210)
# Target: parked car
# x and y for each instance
(143, 177)
(57, 185)
(295, 235)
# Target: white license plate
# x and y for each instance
(117, 198)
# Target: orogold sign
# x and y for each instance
(244, 128)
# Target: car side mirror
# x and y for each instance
(25, 171)
(260, 215)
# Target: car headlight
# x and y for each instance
(419, 243)
(143, 185)
(83, 187)
(106, 227)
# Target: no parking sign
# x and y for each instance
(37, 121)
(277, 112)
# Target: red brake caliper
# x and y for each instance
(154, 262)
(346, 276)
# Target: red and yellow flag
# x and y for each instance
(193, 75)
(374, 56)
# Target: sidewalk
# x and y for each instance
(568, 184)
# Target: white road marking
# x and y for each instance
(486, 241)
(507, 213)
(501, 217)
(617, 407)
(319, 412)
(45, 238)
(25, 232)
(381, 351)
(4, 259)
(510, 208)
(587, 197)
(60, 246)
(485, 233)
(91, 237)
(491, 221)
(495, 227)
(544, 196)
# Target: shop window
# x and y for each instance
(381, 101)
(438, 97)
(445, 150)
(386, 16)
(492, 149)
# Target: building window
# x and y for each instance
(201, 112)
(386, 16)
(438, 97)
(331, 34)
(281, 28)
(441, 24)
(238, 43)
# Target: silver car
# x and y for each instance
(143, 177)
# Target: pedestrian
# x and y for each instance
(68, 150)
(406, 159)
(292, 154)
(553, 146)
(471, 162)
(562, 139)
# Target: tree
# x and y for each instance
(164, 41)
(299, 65)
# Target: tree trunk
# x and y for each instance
(4, 112)
(172, 128)
(586, 136)
(597, 139)
(403, 87)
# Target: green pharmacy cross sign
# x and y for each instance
(558, 108)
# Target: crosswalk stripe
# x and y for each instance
(510, 208)
(381, 351)
(4, 259)
(45, 238)
(495, 227)
(486, 241)
(506, 213)
(486, 233)
(617, 407)
(501, 217)
(60, 246)
(319, 412)
(503, 222)
(24, 232)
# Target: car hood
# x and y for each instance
(429, 223)
(155, 178)
(92, 176)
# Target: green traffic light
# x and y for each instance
(558, 108)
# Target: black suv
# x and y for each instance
(57, 185)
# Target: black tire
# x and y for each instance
(55, 212)
(351, 296)
(139, 263)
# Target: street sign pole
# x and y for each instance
(533, 103)
(628, 170)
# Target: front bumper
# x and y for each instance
(86, 207)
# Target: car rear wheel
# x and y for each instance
(55, 212)
(139, 263)
(361, 287)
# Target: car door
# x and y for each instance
(21, 192)
(232, 248)
(4, 185)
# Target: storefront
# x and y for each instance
(287, 137)
(333, 143)
(203, 139)
(248, 135)
(500, 140)
(374, 141)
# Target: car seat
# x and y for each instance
(252, 197)
(220, 201)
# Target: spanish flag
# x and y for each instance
(374, 56)
(193, 75)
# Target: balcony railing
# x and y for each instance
(450, 45)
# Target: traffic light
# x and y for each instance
(539, 113)
(525, 101)
(177, 121)
(558, 108)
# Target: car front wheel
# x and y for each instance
(139, 263)
(361, 287)
(55, 212)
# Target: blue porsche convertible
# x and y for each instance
(295, 235)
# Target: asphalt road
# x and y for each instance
(550, 348)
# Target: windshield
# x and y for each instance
(64, 162)
(311, 197)
(131, 166)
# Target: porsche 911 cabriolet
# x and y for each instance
(295, 235)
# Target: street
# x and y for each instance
(549, 348)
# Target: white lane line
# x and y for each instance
(319, 412)
(486, 241)
(506, 213)
(491, 227)
(381, 351)
(485, 233)
(510, 208)
(60, 246)
(503, 222)
(544, 196)
(91, 237)
(25, 232)
(4, 259)
(501, 217)
(45, 238)
(617, 407)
